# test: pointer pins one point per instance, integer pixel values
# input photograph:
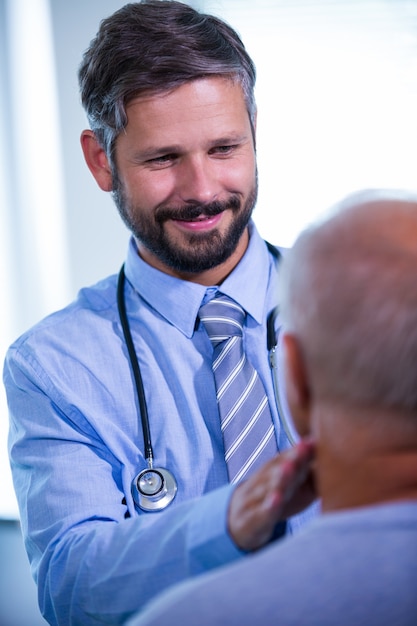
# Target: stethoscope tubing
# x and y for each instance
(143, 409)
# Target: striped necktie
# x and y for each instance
(246, 422)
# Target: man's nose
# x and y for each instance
(198, 180)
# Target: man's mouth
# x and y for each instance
(200, 223)
(197, 213)
(199, 218)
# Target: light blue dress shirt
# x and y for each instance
(76, 438)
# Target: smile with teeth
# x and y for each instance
(200, 218)
(200, 223)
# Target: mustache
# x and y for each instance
(192, 211)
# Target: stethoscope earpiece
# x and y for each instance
(153, 489)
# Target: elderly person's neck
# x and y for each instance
(364, 455)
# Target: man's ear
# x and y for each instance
(96, 160)
(296, 384)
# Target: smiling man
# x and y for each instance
(145, 441)
(184, 178)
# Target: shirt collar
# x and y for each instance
(179, 300)
(248, 282)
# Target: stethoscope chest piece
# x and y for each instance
(153, 489)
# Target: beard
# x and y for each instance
(200, 251)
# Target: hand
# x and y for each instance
(283, 487)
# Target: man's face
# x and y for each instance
(184, 178)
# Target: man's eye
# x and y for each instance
(223, 149)
(162, 160)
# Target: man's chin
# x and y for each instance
(204, 252)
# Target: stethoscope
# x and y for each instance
(154, 488)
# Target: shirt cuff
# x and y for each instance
(211, 544)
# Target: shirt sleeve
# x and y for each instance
(92, 564)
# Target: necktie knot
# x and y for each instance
(222, 318)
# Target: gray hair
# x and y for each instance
(349, 292)
(152, 47)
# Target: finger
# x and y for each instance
(261, 501)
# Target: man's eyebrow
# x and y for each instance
(228, 139)
(154, 151)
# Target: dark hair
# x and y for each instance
(151, 47)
